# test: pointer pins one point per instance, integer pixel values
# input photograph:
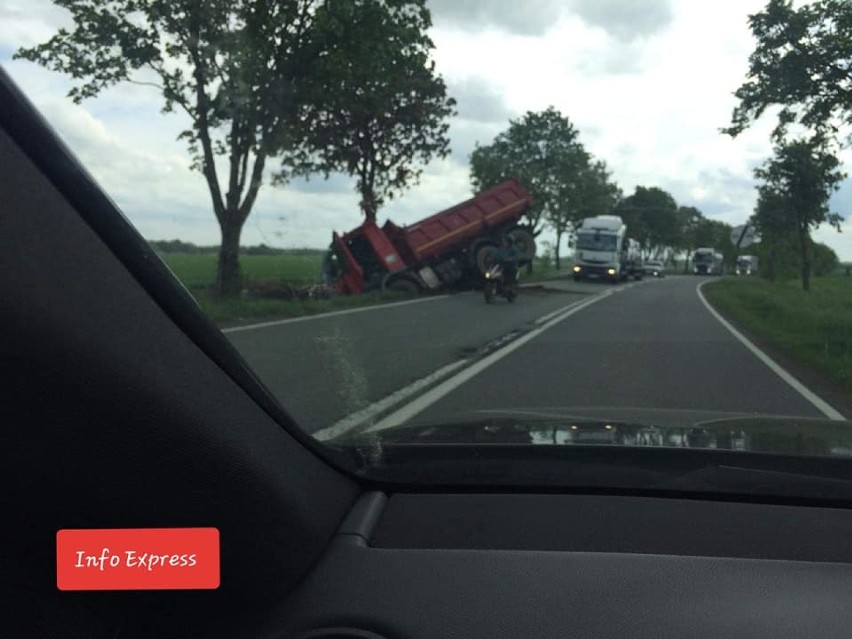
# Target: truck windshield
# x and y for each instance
(596, 242)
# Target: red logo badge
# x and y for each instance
(138, 559)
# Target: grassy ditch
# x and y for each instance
(815, 328)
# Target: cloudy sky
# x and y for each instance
(648, 83)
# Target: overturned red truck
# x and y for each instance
(447, 249)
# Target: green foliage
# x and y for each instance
(377, 110)
(801, 63)
(651, 216)
(815, 328)
(197, 271)
(793, 199)
(825, 260)
(543, 152)
(780, 259)
(233, 66)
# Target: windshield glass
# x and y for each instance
(596, 242)
(428, 135)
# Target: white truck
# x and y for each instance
(746, 265)
(603, 251)
(706, 261)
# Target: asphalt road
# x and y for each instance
(325, 368)
(653, 352)
(647, 349)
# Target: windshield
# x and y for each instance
(430, 135)
(596, 242)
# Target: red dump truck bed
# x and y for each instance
(441, 250)
(439, 233)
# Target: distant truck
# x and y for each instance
(603, 251)
(746, 265)
(706, 261)
(449, 248)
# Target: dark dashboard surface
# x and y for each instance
(417, 566)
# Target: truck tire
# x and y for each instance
(524, 242)
(482, 253)
(403, 285)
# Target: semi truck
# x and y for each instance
(746, 265)
(450, 248)
(706, 261)
(603, 251)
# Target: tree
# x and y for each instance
(798, 182)
(689, 220)
(534, 149)
(803, 63)
(583, 190)
(233, 66)
(825, 260)
(651, 217)
(378, 111)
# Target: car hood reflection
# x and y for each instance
(783, 435)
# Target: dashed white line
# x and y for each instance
(433, 395)
(366, 414)
(805, 392)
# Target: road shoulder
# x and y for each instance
(828, 390)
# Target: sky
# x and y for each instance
(648, 84)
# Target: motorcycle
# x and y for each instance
(498, 283)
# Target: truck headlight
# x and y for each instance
(610, 271)
(576, 269)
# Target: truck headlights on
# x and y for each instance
(576, 269)
(610, 271)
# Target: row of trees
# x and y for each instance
(543, 150)
(292, 87)
(802, 64)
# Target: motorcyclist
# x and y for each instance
(507, 257)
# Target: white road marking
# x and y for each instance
(809, 395)
(359, 418)
(362, 416)
(348, 311)
(444, 388)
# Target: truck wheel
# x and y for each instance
(482, 256)
(524, 242)
(403, 285)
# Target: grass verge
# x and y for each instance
(814, 328)
(235, 312)
(198, 271)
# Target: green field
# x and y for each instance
(198, 271)
(815, 327)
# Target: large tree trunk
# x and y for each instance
(228, 280)
(806, 257)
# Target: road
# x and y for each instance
(325, 368)
(650, 349)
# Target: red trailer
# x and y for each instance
(448, 248)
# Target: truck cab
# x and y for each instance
(601, 249)
(746, 265)
(706, 261)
